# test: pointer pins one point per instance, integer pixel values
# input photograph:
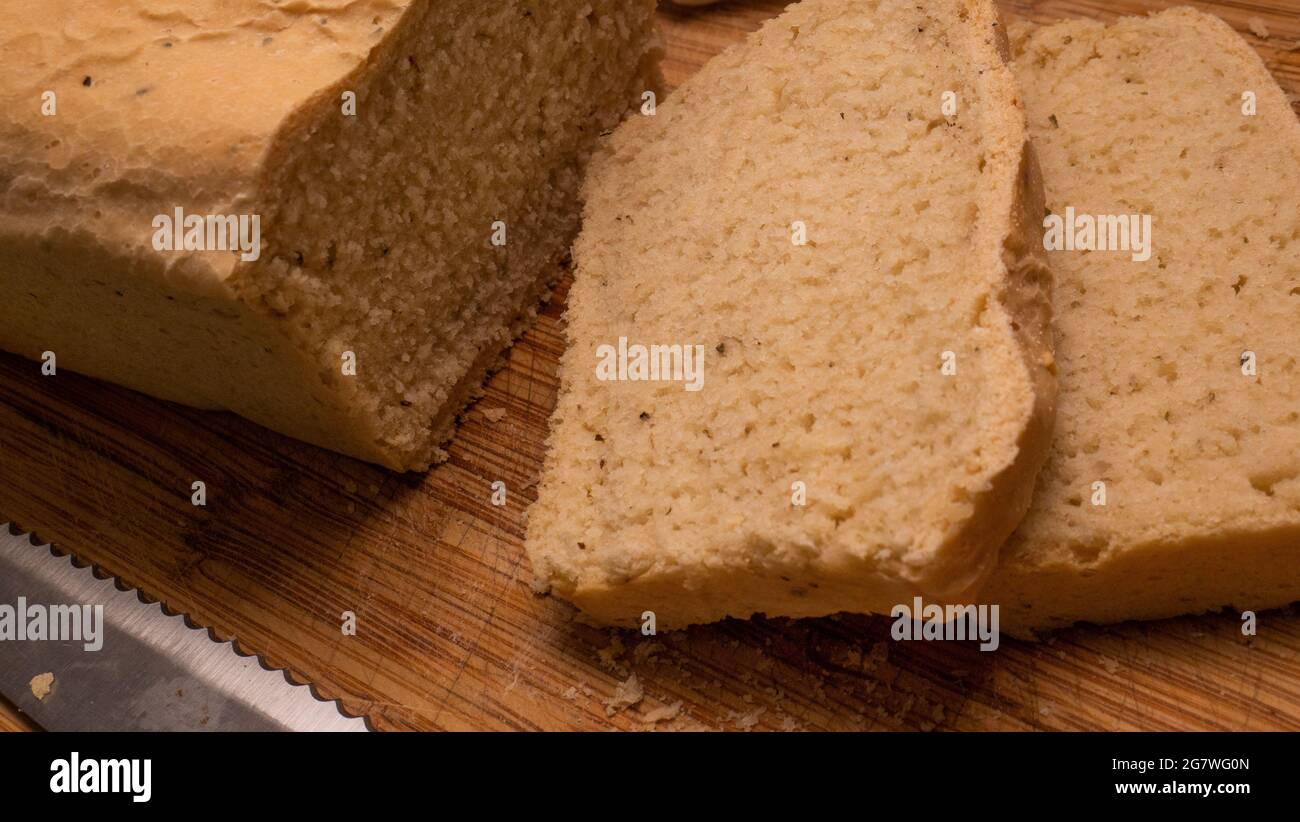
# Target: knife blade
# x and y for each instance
(151, 672)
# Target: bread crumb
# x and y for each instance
(41, 685)
(608, 656)
(749, 720)
(664, 713)
(879, 653)
(1257, 27)
(571, 694)
(851, 658)
(493, 415)
(627, 694)
(646, 651)
(1111, 665)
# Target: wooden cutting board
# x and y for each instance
(449, 635)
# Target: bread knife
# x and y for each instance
(152, 673)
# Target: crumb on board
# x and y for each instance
(647, 650)
(41, 685)
(608, 657)
(664, 713)
(1257, 27)
(628, 693)
(749, 720)
(493, 415)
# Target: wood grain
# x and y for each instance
(13, 720)
(450, 636)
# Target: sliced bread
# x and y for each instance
(837, 222)
(1173, 484)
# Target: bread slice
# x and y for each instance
(822, 362)
(383, 147)
(1200, 461)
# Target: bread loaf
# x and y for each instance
(413, 168)
(836, 221)
(1173, 484)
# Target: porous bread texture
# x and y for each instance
(822, 361)
(376, 228)
(1201, 463)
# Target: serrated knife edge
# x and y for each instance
(155, 672)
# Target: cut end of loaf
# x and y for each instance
(451, 201)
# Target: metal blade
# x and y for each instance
(153, 672)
